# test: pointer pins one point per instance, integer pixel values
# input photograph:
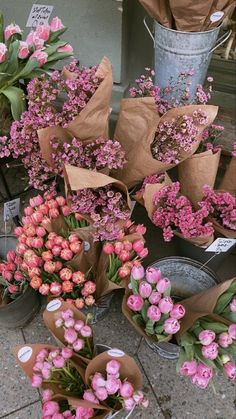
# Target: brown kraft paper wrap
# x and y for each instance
(103, 284)
(129, 316)
(159, 10)
(225, 6)
(226, 232)
(90, 123)
(135, 130)
(74, 403)
(20, 352)
(50, 318)
(228, 182)
(189, 15)
(201, 305)
(197, 171)
(139, 196)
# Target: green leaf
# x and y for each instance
(202, 359)
(187, 339)
(54, 35)
(160, 337)
(16, 98)
(31, 65)
(159, 329)
(223, 302)
(144, 310)
(12, 62)
(182, 358)
(230, 316)
(215, 326)
(167, 292)
(1, 27)
(149, 329)
(232, 287)
(135, 285)
(59, 56)
(53, 47)
(138, 319)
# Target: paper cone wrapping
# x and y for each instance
(103, 284)
(189, 15)
(230, 234)
(74, 403)
(228, 182)
(28, 365)
(197, 171)
(159, 10)
(139, 196)
(129, 316)
(201, 305)
(90, 123)
(135, 130)
(225, 6)
(129, 369)
(50, 318)
(198, 241)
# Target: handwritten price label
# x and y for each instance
(11, 209)
(39, 15)
(221, 244)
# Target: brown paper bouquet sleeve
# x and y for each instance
(101, 411)
(159, 10)
(228, 182)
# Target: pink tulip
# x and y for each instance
(204, 371)
(90, 397)
(200, 382)
(66, 353)
(50, 408)
(171, 326)
(153, 275)
(66, 48)
(112, 385)
(113, 367)
(124, 271)
(177, 312)
(49, 266)
(56, 24)
(233, 305)
(126, 389)
(98, 381)
(143, 253)
(11, 30)
(108, 248)
(44, 289)
(36, 381)
(37, 217)
(67, 314)
(75, 247)
(124, 255)
(55, 288)
(47, 395)
(225, 340)
(40, 56)
(129, 403)
(138, 245)
(59, 362)
(3, 55)
(78, 345)
(18, 276)
(65, 210)
(11, 255)
(162, 285)
(206, 337)
(135, 302)
(86, 331)
(69, 322)
(78, 325)
(128, 246)
(101, 393)
(138, 272)
(166, 305)
(23, 52)
(70, 335)
(154, 297)
(230, 370)
(210, 351)
(47, 255)
(28, 210)
(118, 246)
(145, 289)
(82, 412)
(188, 368)
(18, 230)
(12, 288)
(232, 331)
(54, 213)
(66, 254)
(43, 32)
(154, 313)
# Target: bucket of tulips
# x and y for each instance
(19, 303)
(150, 309)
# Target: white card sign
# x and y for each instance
(39, 15)
(222, 244)
(216, 16)
(11, 209)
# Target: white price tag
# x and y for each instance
(221, 244)
(24, 354)
(86, 246)
(216, 16)
(39, 15)
(117, 353)
(53, 305)
(11, 209)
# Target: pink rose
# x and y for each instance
(204, 371)
(206, 337)
(230, 370)
(101, 393)
(23, 53)
(188, 368)
(36, 381)
(3, 56)
(86, 331)
(200, 382)
(145, 289)
(135, 302)
(43, 32)
(210, 351)
(232, 331)
(67, 314)
(162, 285)
(153, 275)
(233, 305)
(66, 48)
(47, 395)
(50, 408)
(40, 56)
(113, 367)
(11, 30)
(90, 397)
(171, 326)
(70, 335)
(177, 312)
(56, 24)
(138, 272)
(154, 297)
(98, 381)
(59, 362)
(225, 340)
(154, 313)
(66, 353)
(83, 412)
(43, 353)
(165, 305)
(126, 389)
(69, 322)
(129, 403)
(112, 385)
(46, 373)
(78, 345)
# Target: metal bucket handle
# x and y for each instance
(220, 40)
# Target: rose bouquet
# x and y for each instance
(84, 94)
(149, 306)
(70, 328)
(221, 207)
(24, 60)
(13, 281)
(228, 182)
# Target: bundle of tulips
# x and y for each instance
(149, 307)
(13, 281)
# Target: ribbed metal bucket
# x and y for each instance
(188, 277)
(177, 51)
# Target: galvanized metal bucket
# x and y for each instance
(177, 51)
(188, 277)
(99, 311)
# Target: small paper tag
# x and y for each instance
(39, 15)
(24, 354)
(53, 305)
(117, 353)
(216, 16)
(11, 209)
(86, 246)
(222, 244)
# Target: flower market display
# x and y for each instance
(79, 240)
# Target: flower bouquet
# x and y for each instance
(228, 182)
(13, 280)
(201, 168)
(207, 338)
(24, 60)
(70, 329)
(149, 185)
(221, 207)
(149, 307)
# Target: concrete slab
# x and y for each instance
(32, 411)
